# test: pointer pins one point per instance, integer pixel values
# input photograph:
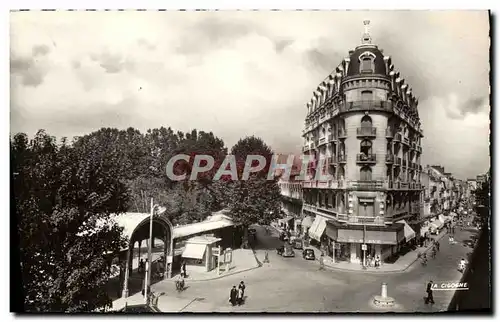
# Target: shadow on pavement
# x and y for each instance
(114, 287)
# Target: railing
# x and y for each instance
(332, 160)
(366, 106)
(366, 184)
(342, 158)
(306, 148)
(406, 140)
(366, 131)
(332, 137)
(366, 158)
(397, 137)
(366, 220)
(388, 133)
(398, 161)
(389, 158)
(321, 141)
(341, 134)
(313, 145)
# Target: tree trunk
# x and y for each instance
(244, 244)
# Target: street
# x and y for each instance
(297, 285)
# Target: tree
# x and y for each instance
(256, 200)
(63, 198)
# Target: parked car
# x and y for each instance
(297, 243)
(285, 251)
(308, 254)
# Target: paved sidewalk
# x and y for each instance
(401, 265)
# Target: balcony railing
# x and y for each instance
(306, 148)
(313, 145)
(413, 145)
(406, 141)
(366, 220)
(366, 158)
(399, 161)
(388, 133)
(332, 160)
(397, 137)
(332, 138)
(389, 158)
(366, 184)
(341, 134)
(366, 131)
(342, 158)
(368, 105)
(322, 141)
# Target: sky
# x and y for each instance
(240, 73)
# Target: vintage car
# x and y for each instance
(308, 254)
(285, 251)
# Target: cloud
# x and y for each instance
(244, 73)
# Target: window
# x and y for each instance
(366, 147)
(366, 174)
(366, 65)
(366, 121)
(366, 95)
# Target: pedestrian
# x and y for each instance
(437, 245)
(430, 297)
(233, 294)
(266, 257)
(184, 269)
(240, 296)
(141, 266)
(321, 262)
(242, 288)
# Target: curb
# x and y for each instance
(219, 277)
(401, 270)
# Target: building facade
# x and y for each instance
(291, 202)
(364, 134)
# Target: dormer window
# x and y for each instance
(366, 63)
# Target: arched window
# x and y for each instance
(366, 174)
(366, 62)
(366, 121)
(366, 147)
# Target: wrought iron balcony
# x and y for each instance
(332, 137)
(366, 158)
(366, 131)
(389, 158)
(366, 184)
(388, 133)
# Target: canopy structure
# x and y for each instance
(217, 221)
(409, 233)
(196, 251)
(436, 224)
(317, 228)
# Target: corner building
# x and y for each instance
(364, 133)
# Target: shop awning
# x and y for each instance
(195, 251)
(409, 233)
(307, 221)
(317, 228)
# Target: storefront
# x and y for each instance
(347, 240)
(198, 253)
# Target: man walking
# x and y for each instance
(232, 296)
(430, 297)
(321, 262)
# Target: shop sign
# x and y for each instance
(363, 247)
(228, 255)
